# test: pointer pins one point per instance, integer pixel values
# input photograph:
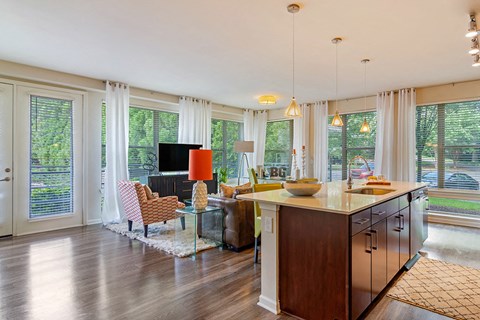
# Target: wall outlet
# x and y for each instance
(268, 224)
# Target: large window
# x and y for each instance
(448, 152)
(224, 135)
(346, 142)
(51, 156)
(146, 129)
(278, 147)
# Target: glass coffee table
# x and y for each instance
(207, 227)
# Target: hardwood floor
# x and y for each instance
(93, 273)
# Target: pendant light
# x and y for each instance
(365, 126)
(293, 110)
(337, 120)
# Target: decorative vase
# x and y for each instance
(199, 195)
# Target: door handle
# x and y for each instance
(399, 227)
(6, 179)
(368, 244)
(402, 222)
(375, 233)
(362, 221)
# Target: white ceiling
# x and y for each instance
(231, 51)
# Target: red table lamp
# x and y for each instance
(200, 168)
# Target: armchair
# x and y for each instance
(139, 209)
(259, 187)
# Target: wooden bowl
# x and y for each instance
(302, 189)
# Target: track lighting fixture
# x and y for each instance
(476, 61)
(472, 27)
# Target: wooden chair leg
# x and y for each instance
(255, 251)
(130, 223)
(182, 220)
(145, 230)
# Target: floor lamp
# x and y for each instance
(243, 147)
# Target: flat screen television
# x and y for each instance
(174, 156)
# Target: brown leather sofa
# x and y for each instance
(238, 232)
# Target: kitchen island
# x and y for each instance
(328, 256)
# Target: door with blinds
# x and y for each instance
(48, 160)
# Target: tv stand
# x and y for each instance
(177, 184)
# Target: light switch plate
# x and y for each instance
(268, 224)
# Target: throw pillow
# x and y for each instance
(227, 191)
(148, 192)
(241, 191)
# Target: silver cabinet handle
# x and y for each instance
(379, 213)
(368, 242)
(6, 179)
(362, 221)
(374, 232)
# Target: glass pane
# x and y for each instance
(357, 139)
(359, 168)
(334, 151)
(233, 134)
(168, 127)
(51, 156)
(454, 206)
(278, 147)
(140, 141)
(426, 132)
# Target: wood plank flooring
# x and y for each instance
(93, 273)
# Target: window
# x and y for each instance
(224, 135)
(448, 151)
(51, 156)
(278, 147)
(346, 142)
(146, 129)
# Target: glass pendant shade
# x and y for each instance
(293, 110)
(337, 120)
(365, 126)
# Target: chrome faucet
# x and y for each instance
(349, 180)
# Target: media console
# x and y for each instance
(178, 185)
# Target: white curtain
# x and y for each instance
(248, 135)
(195, 122)
(117, 104)
(259, 136)
(301, 133)
(384, 145)
(320, 150)
(406, 142)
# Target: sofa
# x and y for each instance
(238, 222)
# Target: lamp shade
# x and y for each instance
(200, 165)
(243, 146)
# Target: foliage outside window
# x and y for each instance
(347, 141)
(448, 152)
(51, 156)
(146, 129)
(278, 146)
(224, 135)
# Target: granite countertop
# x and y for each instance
(333, 198)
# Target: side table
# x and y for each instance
(214, 233)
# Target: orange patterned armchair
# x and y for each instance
(140, 209)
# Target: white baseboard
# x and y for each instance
(269, 304)
(456, 220)
(94, 221)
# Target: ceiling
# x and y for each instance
(231, 52)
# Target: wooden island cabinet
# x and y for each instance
(332, 254)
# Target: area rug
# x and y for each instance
(441, 287)
(167, 237)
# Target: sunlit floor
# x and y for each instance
(93, 273)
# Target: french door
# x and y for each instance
(6, 158)
(47, 139)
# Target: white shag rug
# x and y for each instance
(167, 237)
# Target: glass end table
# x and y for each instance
(207, 224)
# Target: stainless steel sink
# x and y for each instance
(370, 191)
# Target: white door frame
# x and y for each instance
(6, 159)
(23, 224)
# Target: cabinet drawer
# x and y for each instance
(360, 221)
(385, 209)
(403, 201)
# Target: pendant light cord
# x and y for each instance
(293, 56)
(365, 86)
(336, 76)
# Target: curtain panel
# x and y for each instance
(320, 146)
(195, 122)
(301, 137)
(259, 137)
(117, 104)
(384, 144)
(406, 139)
